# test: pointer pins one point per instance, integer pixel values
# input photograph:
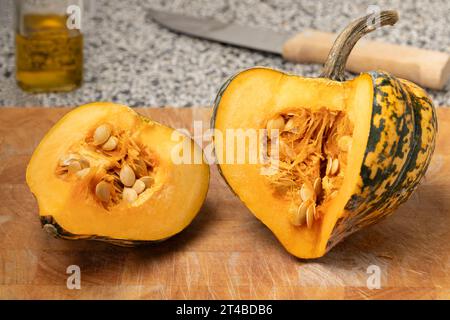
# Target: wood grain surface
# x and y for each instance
(225, 253)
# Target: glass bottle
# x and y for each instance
(49, 45)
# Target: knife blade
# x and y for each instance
(424, 67)
(210, 29)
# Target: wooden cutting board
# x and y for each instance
(225, 253)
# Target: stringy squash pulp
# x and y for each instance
(312, 155)
(104, 172)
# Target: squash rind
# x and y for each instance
(389, 178)
(51, 226)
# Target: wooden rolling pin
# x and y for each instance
(427, 68)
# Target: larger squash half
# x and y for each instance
(343, 154)
(104, 172)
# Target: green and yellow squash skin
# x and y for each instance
(401, 142)
(393, 141)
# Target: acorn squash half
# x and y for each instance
(337, 155)
(104, 172)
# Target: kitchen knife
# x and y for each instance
(424, 67)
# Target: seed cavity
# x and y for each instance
(312, 144)
(127, 176)
(102, 134)
(103, 191)
(129, 195)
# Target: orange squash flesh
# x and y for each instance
(258, 94)
(160, 212)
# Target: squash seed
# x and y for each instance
(140, 168)
(345, 143)
(310, 212)
(289, 125)
(318, 186)
(302, 209)
(297, 216)
(334, 167)
(84, 163)
(74, 166)
(127, 176)
(329, 165)
(316, 213)
(101, 134)
(129, 194)
(287, 150)
(277, 123)
(83, 172)
(67, 159)
(103, 191)
(148, 181)
(139, 186)
(306, 193)
(110, 144)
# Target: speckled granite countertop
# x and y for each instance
(130, 59)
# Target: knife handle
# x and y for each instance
(425, 67)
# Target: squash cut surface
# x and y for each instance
(162, 204)
(313, 124)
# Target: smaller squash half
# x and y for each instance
(83, 190)
(346, 153)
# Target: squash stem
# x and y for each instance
(337, 58)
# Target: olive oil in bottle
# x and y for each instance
(49, 56)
